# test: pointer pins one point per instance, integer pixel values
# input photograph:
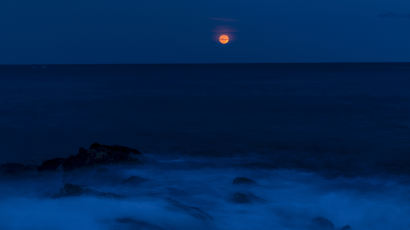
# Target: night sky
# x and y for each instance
(184, 31)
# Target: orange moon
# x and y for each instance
(224, 39)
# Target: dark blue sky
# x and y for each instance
(164, 31)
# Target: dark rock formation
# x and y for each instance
(70, 190)
(321, 223)
(96, 154)
(51, 165)
(100, 154)
(243, 180)
(346, 227)
(244, 198)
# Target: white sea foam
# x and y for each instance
(199, 194)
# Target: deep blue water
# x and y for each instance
(48, 111)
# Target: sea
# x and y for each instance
(326, 145)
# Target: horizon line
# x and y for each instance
(204, 63)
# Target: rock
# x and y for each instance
(138, 224)
(243, 180)
(15, 168)
(244, 198)
(70, 190)
(190, 210)
(98, 154)
(51, 165)
(134, 180)
(346, 227)
(321, 223)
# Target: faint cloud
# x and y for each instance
(392, 15)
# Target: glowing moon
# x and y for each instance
(224, 39)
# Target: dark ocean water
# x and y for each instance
(359, 109)
(305, 135)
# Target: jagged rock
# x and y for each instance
(51, 165)
(243, 180)
(100, 154)
(321, 223)
(15, 168)
(244, 198)
(138, 224)
(134, 180)
(346, 227)
(70, 190)
(96, 154)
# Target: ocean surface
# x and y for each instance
(227, 146)
(356, 109)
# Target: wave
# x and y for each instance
(200, 193)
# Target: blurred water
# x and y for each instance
(198, 193)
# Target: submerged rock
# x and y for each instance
(244, 198)
(134, 180)
(70, 190)
(321, 223)
(243, 180)
(346, 227)
(190, 210)
(51, 165)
